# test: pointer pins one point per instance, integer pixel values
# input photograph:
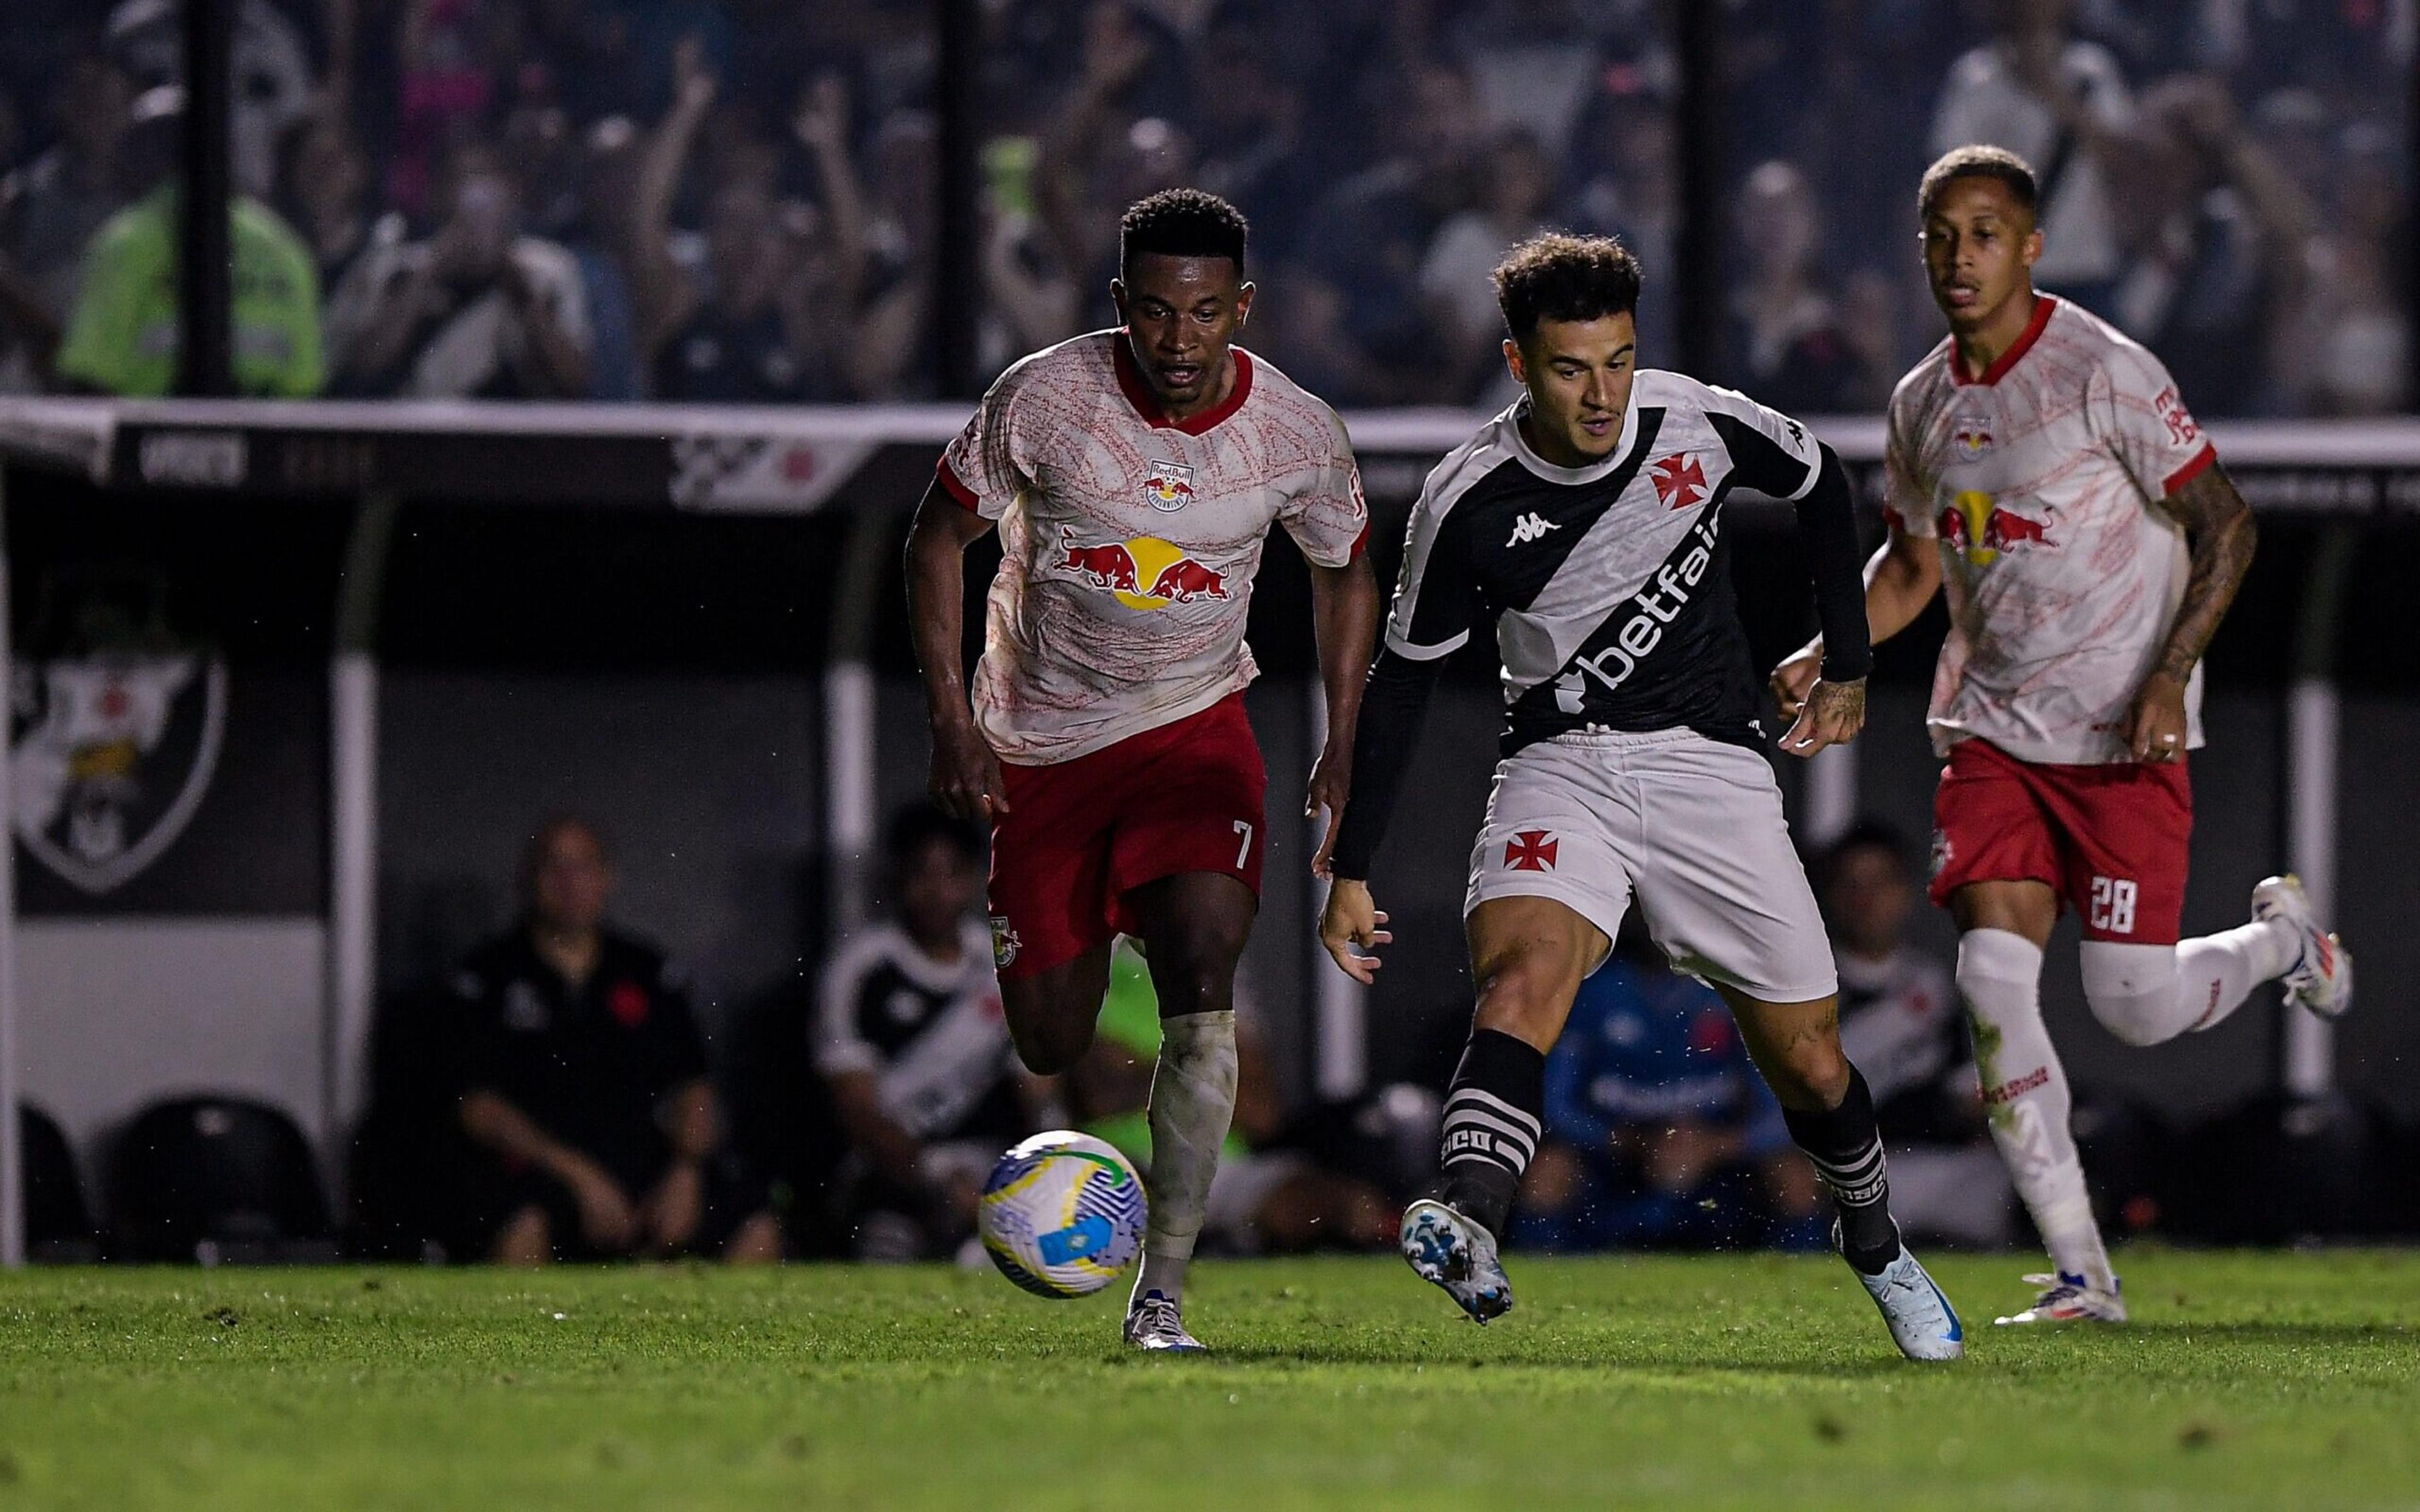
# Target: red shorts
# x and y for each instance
(2112, 840)
(1079, 835)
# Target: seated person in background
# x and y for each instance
(1659, 1131)
(909, 1033)
(1263, 1201)
(1900, 1022)
(583, 1071)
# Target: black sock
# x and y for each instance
(1847, 1150)
(1491, 1126)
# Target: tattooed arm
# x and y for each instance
(2218, 523)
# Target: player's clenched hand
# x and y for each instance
(966, 779)
(1832, 716)
(1352, 919)
(2155, 731)
(1331, 783)
(1794, 677)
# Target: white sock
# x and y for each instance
(2147, 994)
(2026, 1093)
(1192, 1103)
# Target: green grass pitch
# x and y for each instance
(2249, 1380)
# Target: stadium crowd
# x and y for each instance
(707, 200)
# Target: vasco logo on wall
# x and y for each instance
(116, 733)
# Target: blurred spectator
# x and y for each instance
(273, 75)
(1901, 1025)
(738, 320)
(124, 335)
(2219, 232)
(1659, 1131)
(1516, 186)
(50, 209)
(909, 1037)
(2060, 104)
(1267, 1197)
(582, 1076)
(2353, 345)
(1368, 237)
(1788, 349)
(1629, 188)
(478, 311)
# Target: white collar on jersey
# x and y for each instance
(1508, 424)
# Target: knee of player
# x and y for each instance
(1200, 958)
(1816, 1071)
(1527, 998)
(1048, 1046)
(2131, 990)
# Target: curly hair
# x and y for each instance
(1555, 276)
(1182, 222)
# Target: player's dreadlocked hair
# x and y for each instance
(1553, 276)
(1977, 162)
(1181, 222)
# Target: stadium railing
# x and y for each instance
(372, 456)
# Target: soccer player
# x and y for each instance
(1134, 474)
(1586, 521)
(2042, 468)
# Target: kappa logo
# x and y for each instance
(1531, 527)
(1680, 482)
(1531, 850)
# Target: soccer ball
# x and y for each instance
(1062, 1214)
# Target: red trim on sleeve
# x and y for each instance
(2044, 307)
(2194, 469)
(956, 489)
(1146, 404)
(1893, 518)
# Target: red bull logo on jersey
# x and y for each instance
(1142, 571)
(1972, 436)
(1168, 486)
(1982, 529)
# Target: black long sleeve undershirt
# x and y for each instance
(1827, 529)
(1394, 703)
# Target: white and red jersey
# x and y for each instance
(2042, 478)
(1130, 540)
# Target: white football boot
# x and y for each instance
(2322, 978)
(1155, 1326)
(1922, 1323)
(2070, 1299)
(1458, 1255)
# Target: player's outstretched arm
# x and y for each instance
(1344, 614)
(966, 779)
(2219, 527)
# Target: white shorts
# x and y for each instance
(1691, 826)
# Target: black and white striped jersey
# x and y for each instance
(1610, 584)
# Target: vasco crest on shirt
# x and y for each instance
(116, 731)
